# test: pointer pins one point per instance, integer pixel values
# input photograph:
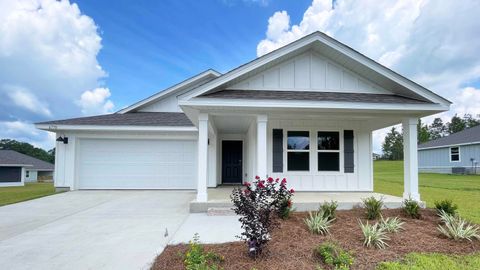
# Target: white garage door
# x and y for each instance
(136, 164)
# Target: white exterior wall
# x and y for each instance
(251, 158)
(313, 180)
(32, 175)
(309, 72)
(168, 104)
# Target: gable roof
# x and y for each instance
(194, 81)
(157, 119)
(16, 159)
(312, 96)
(343, 54)
(467, 136)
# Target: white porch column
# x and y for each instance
(410, 157)
(202, 157)
(262, 146)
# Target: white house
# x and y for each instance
(305, 111)
(17, 168)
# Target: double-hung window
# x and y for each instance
(328, 151)
(454, 154)
(298, 150)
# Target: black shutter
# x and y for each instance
(348, 151)
(277, 156)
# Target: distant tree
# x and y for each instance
(470, 121)
(28, 149)
(392, 146)
(437, 129)
(456, 124)
(423, 133)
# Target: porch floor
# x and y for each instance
(219, 198)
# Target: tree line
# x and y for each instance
(392, 146)
(28, 149)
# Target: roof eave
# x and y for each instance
(56, 128)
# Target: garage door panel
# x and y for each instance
(139, 164)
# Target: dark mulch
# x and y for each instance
(292, 244)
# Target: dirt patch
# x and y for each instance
(292, 244)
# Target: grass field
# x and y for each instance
(30, 191)
(464, 190)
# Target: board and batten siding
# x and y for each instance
(360, 180)
(309, 72)
(437, 160)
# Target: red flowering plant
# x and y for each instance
(255, 203)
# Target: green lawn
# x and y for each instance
(30, 191)
(464, 190)
(434, 262)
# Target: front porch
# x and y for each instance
(219, 200)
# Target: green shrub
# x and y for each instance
(329, 209)
(333, 255)
(317, 223)
(373, 207)
(411, 207)
(391, 225)
(285, 209)
(374, 235)
(446, 206)
(197, 259)
(457, 228)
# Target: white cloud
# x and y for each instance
(435, 43)
(48, 53)
(27, 100)
(96, 101)
(27, 132)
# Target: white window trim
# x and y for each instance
(313, 157)
(339, 151)
(298, 151)
(450, 153)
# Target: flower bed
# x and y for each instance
(292, 245)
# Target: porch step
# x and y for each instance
(220, 211)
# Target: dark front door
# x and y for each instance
(232, 162)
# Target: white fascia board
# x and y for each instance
(447, 146)
(332, 43)
(310, 105)
(170, 90)
(55, 128)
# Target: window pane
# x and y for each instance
(328, 140)
(298, 161)
(455, 157)
(328, 161)
(454, 150)
(298, 140)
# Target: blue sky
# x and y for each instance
(63, 59)
(154, 44)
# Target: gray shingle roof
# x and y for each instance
(10, 157)
(469, 135)
(129, 119)
(315, 96)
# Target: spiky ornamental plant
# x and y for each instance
(374, 235)
(457, 228)
(318, 223)
(391, 225)
(255, 204)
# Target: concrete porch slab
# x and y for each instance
(219, 198)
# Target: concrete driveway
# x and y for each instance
(90, 229)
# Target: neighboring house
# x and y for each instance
(455, 153)
(305, 111)
(17, 168)
(375, 156)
